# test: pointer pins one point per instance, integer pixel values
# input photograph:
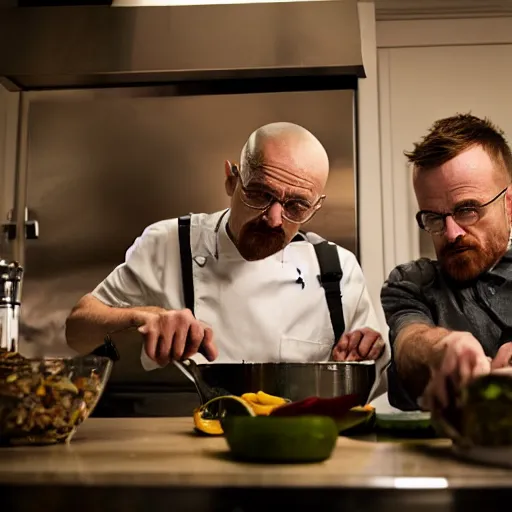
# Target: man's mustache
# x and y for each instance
(265, 229)
(455, 247)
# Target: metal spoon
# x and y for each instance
(190, 369)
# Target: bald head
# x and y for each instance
(279, 186)
(285, 145)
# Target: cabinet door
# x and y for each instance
(419, 85)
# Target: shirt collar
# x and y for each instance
(503, 268)
(226, 248)
(505, 260)
(224, 245)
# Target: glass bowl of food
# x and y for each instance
(44, 401)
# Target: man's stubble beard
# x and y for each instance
(466, 259)
(258, 241)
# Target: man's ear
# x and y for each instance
(230, 183)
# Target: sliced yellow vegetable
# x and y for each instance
(265, 399)
(210, 427)
(357, 419)
(250, 397)
(367, 407)
(263, 410)
(208, 421)
(262, 403)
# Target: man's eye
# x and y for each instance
(257, 196)
(255, 193)
(466, 213)
(431, 218)
(297, 206)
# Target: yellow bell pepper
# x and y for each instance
(262, 403)
(210, 427)
(256, 404)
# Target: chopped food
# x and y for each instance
(345, 410)
(204, 425)
(43, 401)
(262, 403)
(358, 420)
(333, 407)
(208, 418)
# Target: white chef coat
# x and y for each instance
(257, 310)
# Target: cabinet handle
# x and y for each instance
(31, 227)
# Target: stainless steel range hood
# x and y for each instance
(101, 46)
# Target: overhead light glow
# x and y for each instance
(160, 3)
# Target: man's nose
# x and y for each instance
(453, 230)
(275, 215)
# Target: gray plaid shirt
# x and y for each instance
(418, 292)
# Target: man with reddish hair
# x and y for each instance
(450, 319)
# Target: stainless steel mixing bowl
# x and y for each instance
(295, 381)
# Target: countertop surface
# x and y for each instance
(166, 452)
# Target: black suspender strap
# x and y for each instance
(186, 261)
(330, 277)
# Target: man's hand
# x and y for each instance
(359, 345)
(503, 358)
(464, 359)
(174, 335)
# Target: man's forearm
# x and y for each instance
(91, 320)
(417, 348)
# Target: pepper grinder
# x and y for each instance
(11, 275)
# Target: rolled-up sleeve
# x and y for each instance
(138, 280)
(404, 303)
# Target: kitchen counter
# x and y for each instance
(118, 464)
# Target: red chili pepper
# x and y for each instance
(333, 407)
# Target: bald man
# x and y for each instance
(252, 292)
